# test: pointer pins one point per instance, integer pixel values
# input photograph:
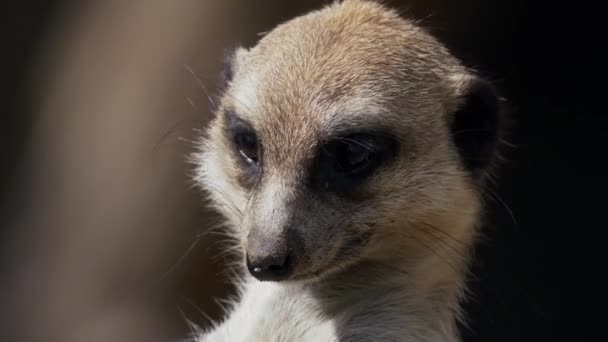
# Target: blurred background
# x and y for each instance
(100, 223)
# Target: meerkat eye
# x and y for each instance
(345, 162)
(244, 139)
(352, 155)
(247, 145)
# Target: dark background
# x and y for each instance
(533, 277)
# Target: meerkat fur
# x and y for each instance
(349, 154)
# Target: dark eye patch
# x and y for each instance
(347, 161)
(246, 146)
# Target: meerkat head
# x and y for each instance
(341, 132)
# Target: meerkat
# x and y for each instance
(349, 155)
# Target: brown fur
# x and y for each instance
(353, 66)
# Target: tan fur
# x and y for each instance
(354, 64)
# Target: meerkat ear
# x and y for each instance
(229, 67)
(476, 122)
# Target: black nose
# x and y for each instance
(270, 267)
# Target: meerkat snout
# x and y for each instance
(269, 257)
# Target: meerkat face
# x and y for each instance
(339, 130)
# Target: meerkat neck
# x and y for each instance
(430, 276)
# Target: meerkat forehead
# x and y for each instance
(342, 66)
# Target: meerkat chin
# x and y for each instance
(348, 153)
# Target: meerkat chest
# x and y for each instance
(268, 312)
(271, 312)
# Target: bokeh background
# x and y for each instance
(101, 102)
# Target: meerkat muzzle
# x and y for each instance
(269, 259)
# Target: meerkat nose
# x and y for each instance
(270, 267)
